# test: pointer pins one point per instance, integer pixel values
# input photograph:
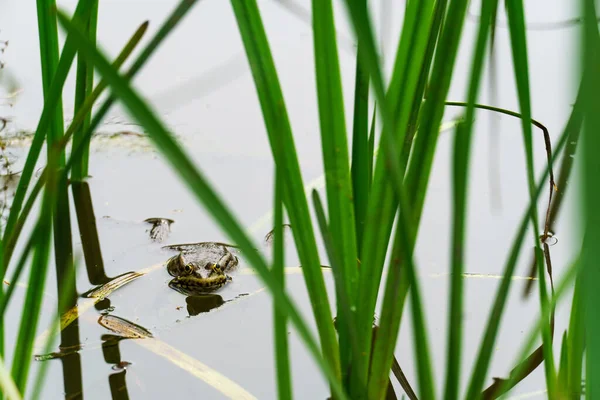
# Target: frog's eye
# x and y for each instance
(188, 268)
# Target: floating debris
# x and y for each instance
(124, 327)
(106, 289)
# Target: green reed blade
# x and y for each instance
(396, 289)
(84, 83)
(393, 300)
(590, 198)
(282, 353)
(10, 242)
(576, 341)
(516, 19)
(277, 124)
(48, 39)
(37, 279)
(203, 191)
(362, 156)
(336, 162)
(419, 80)
(7, 384)
(563, 365)
(371, 153)
(51, 102)
(461, 158)
(345, 320)
(5, 298)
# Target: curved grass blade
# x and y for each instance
(278, 128)
(204, 193)
(515, 14)
(574, 127)
(487, 344)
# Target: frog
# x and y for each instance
(200, 268)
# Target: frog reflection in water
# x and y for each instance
(200, 268)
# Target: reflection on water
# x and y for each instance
(201, 304)
(112, 355)
(89, 233)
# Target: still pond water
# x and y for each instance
(200, 84)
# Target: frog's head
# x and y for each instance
(178, 266)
